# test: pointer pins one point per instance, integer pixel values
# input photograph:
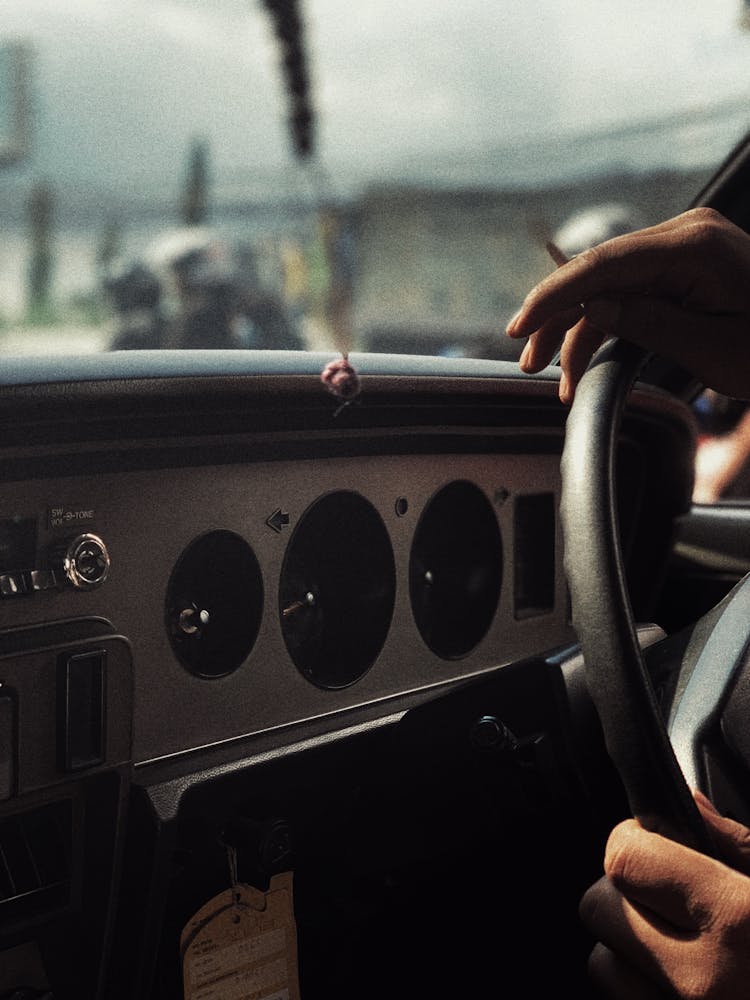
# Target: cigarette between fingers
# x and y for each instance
(556, 253)
(559, 258)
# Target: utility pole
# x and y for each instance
(15, 83)
(39, 211)
(195, 200)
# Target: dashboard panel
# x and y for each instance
(221, 680)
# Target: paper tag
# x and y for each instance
(242, 945)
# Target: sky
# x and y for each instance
(400, 89)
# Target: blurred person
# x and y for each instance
(194, 265)
(134, 292)
(722, 462)
(207, 301)
(216, 296)
(264, 320)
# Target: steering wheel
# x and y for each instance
(657, 759)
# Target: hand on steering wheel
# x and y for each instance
(679, 288)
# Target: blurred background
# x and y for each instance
(306, 174)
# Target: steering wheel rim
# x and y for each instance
(635, 733)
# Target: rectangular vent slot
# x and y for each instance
(35, 858)
(534, 562)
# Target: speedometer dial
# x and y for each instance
(455, 570)
(337, 590)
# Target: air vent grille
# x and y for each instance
(35, 860)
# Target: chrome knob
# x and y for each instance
(85, 562)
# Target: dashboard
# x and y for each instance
(209, 570)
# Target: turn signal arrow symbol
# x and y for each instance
(277, 520)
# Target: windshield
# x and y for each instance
(328, 176)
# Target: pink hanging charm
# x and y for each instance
(341, 379)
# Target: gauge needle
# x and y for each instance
(307, 601)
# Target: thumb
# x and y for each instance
(731, 837)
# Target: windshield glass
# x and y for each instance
(330, 176)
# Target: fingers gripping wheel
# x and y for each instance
(634, 731)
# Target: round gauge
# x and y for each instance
(337, 590)
(455, 570)
(214, 604)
